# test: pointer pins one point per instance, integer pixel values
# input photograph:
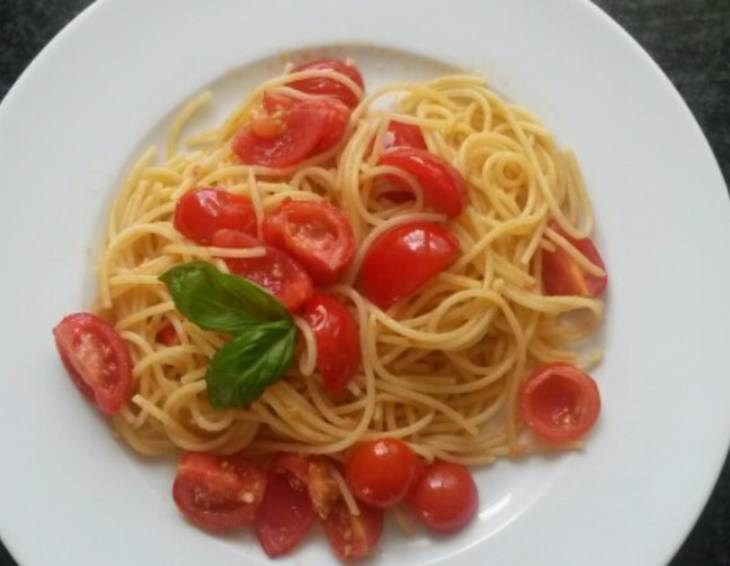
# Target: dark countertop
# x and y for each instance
(690, 39)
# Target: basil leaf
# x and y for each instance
(218, 301)
(241, 370)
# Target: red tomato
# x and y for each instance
(284, 517)
(166, 335)
(559, 402)
(329, 87)
(381, 472)
(218, 492)
(273, 103)
(445, 497)
(353, 536)
(316, 234)
(403, 259)
(403, 135)
(96, 358)
(562, 276)
(200, 213)
(444, 189)
(337, 338)
(315, 474)
(276, 271)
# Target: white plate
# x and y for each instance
(71, 495)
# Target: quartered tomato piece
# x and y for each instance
(200, 213)
(444, 188)
(315, 474)
(277, 271)
(337, 338)
(317, 234)
(330, 87)
(562, 276)
(559, 402)
(218, 492)
(403, 259)
(353, 536)
(284, 517)
(96, 358)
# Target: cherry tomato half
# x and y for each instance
(444, 189)
(284, 517)
(400, 134)
(96, 358)
(200, 213)
(559, 402)
(562, 276)
(277, 272)
(403, 259)
(337, 338)
(353, 536)
(381, 472)
(315, 474)
(166, 335)
(329, 87)
(318, 235)
(218, 493)
(445, 497)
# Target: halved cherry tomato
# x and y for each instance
(562, 276)
(277, 272)
(444, 189)
(284, 517)
(273, 103)
(200, 213)
(218, 493)
(329, 87)
(353, 536)
(559, 402)
(337, 338)
(96, 358)
(400, 134)
(381, 472)
(403, 259)
(445, 497)
(315, 474)
(166, 335)
(317, 234)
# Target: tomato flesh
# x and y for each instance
(200, 213)
(559, 403)
(315, 474)
(381, 472)
(218, 493)
(284, 517)
(403, 259)
(444, 188)
(277, 272)
(336, 115)
(166, 335)
(337, 339)
(445, 497)
(96, 358)
(330, 87)
(400, 134)
(318, 235)
(562, 276)
(353, 537)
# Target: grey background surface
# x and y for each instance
(690, 39)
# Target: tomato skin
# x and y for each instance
(336, 115)
(166, 335)
(316, 234)
(381, 472)
(277, 272)
(96, 358)
(315, 474)
(337, 338)
(403, 259)
(559, 403)
(329, 87)
(400, 134)
(444, 188)
(562, 276)
(284, 517)
(218, 493)
(201, 212)
(445, 497)
(353, 537)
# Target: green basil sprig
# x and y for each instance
(262, 347)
